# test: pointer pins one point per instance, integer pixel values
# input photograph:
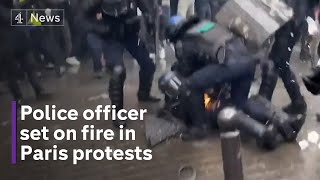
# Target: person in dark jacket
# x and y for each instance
(118, 30)
(16, 55)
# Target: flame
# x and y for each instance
(209, 103)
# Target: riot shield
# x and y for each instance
(255, 20)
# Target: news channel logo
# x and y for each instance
(37, 17)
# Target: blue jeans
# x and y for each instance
(95, 45)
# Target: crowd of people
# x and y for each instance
(108, 27)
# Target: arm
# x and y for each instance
(87, 23)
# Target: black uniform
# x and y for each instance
(50, 41)
(16, 56)
(118, 31)
(285, 39)
(212, 60)
(312, 82)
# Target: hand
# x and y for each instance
(99, 16)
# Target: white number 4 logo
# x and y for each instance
(19, 18)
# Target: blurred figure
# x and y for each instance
(48, 41)
(174, 7)
(305, 54)
(312, 82)
(16, 55)
(118, 30)
(203, 9)
(285, 39)
(181, 7)
(78, 43)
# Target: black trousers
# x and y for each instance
(113, 51)
(16, 58)
(285, 40)
(239, 75)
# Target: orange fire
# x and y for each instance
(209, 103)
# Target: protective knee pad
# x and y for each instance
(118, 73)
(116, 84)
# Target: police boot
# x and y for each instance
(116, 91)
(288, 125)
(312, 82)
(296, 107)
(262, 110)
(298, 104)
(145, 85)
(266, 135)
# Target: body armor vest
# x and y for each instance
(208, 41)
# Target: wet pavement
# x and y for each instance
(80, 91)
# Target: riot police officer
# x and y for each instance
(118, 31)
(16, 56)
(48, 41)
(285, 39)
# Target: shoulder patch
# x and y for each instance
(206, 27)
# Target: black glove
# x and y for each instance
(312, 82)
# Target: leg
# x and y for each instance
(269, 81)
(263, 111)
(53, 50)
(243, 72)
(28, 66)
(298, 104)
(173, 7)
(95, 44)
(10, 72)
(203, 9)
(213, 75)
(267, 135)
(195, 114)
(147, 68)
(312, 82)
(118, 74)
